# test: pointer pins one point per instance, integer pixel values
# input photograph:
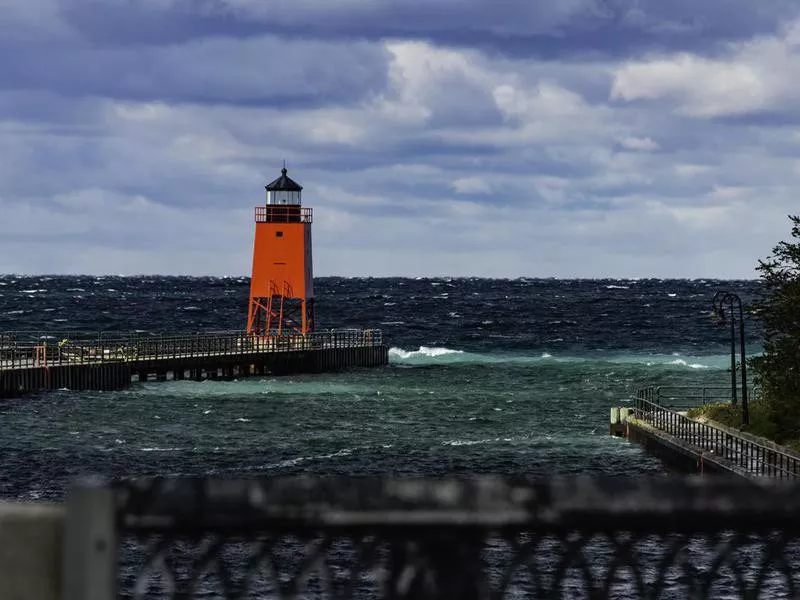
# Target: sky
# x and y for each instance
(497, 138)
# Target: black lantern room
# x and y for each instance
(284, 191)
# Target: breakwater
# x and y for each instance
(30, 362)
(691, 446)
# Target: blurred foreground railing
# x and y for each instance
(24, 349)
(394, 538)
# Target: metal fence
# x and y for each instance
(36, 349)
(416, 538)
(758, 459)
(674, 396)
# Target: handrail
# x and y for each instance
(392, 537)
(689, 396)
(21, 350)
(756, 458)
(276, 213)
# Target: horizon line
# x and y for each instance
(413, 277)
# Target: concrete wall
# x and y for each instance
(30, 551)
(677, 455)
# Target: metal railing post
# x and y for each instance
(90, 545)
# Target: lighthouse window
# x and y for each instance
(278, 234)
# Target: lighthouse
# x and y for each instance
(282, 284)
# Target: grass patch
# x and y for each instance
(731, 416)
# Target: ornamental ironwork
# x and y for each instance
(418, 538)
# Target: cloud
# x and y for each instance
(749, 78)
(565, 139)
(553, 30)
(633, 143)
(266, 70)
(471, 185)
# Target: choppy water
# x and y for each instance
(485, 376)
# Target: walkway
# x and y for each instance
(760, 459)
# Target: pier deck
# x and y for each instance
(31, 362)
(695, 446)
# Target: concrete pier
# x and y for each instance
(690, 446)
(112, 364)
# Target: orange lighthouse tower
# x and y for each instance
(282, 284)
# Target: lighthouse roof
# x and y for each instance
(284, 183)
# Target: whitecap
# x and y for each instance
(683, 363)
(291, 462)
(457, 442)
(423, 351)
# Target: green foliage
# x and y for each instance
(777, 370)
(761, 423)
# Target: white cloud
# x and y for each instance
(753, 76)
(462, 162)
(471, 185)
(643, 144)
(689, 170)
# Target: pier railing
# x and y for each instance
(758, 459)
(24, 349)
(474, 538)
(676, 396)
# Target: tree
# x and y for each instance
(777, 370)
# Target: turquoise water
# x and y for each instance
(430, 412)
(485, 376)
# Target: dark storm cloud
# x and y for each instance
(44, 108)
(560, 28)
(121, 118)
(256, 72)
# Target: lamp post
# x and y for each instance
(733, 301)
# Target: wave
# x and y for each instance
(424, 351)
(431, 355)
(293, 462)
(259, 388)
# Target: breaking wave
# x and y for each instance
(427, 355)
